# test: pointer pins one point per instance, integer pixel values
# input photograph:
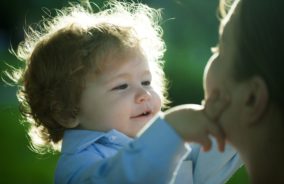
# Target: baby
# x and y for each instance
(92, 82)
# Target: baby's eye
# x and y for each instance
(120, 87)
(146, 83)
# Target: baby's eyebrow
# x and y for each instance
(146, 75)
(147, 72)
(126, 76)
(117, 77)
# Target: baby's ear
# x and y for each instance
(256, 100)
(69, 123)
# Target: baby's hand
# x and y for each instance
(195, 123)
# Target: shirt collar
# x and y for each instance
(77, 140)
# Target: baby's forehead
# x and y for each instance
(120, 66)
(116, 59)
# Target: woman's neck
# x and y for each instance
(267, 167)
(263, 153)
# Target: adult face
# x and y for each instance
(218, 76)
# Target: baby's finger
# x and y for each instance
(215, 105)
(221, 143)
(205, 143)
(217, 132)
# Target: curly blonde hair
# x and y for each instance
(60, 51)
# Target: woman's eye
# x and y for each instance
(146, 83)
(120, 87)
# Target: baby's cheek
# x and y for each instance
(157, 103)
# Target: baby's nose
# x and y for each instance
(142, 96)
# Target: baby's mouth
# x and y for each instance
(144, 114)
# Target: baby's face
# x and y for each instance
(121, 97)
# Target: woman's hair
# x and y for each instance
(260, 43)
(59, 52)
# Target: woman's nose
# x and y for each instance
(142, 95)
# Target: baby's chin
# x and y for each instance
(143, 126)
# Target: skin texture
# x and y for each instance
(118, 96)
(196, 123)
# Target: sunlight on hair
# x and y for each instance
(226, 9)
(142, 24)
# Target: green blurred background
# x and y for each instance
(190, 30)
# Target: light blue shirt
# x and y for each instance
(158, 156)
